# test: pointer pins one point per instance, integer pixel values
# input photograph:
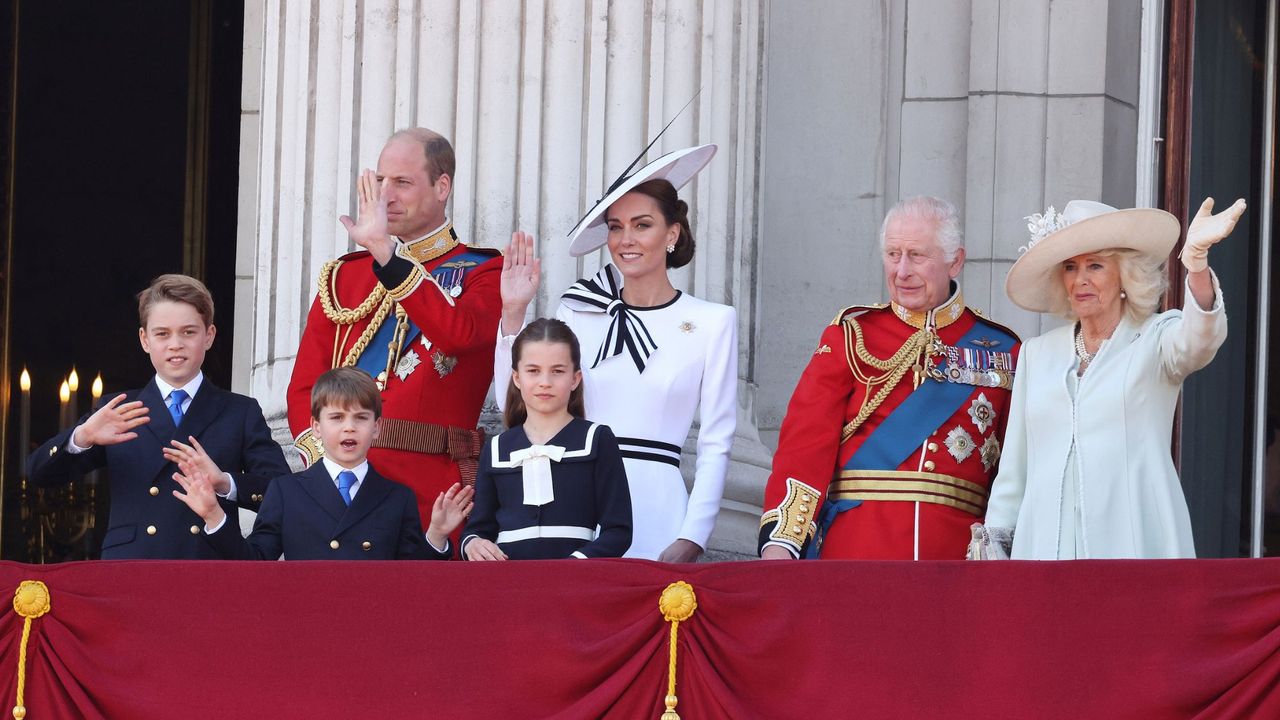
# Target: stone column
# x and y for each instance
(545, 101)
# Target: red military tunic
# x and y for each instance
(921, 509)
(434, 384)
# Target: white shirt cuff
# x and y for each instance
(444, 549)
(72, 447)
(231, 494)
(211, 530)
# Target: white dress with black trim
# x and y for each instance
(646, 371)
(567, 498)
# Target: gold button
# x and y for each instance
(928, 465)
(53, 450)
(333, 544)
(256, 497)
(154, 491)
(795, 529)
(933, 447)
(195, 529)
(799, 518)
(366, 545)
(151, 529)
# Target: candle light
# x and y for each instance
(73, 384)
(64, 397)
(96, 389)
(24, 421)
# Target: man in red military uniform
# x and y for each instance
(892, 436)
(418, 311)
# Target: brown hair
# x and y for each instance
(345, 387)
(676, 212)
(548, 330)
(436, 149)
(176, 288)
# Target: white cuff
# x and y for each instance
(784, 546)
(231, 494)
(72, 447)
(211, 530)
(444, 549)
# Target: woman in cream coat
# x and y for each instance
(1086, 470)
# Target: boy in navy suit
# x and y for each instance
(138, 435)
(339, 508)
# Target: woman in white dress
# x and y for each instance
(653, 355)
(1086, 470)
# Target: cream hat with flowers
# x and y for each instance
(1083, 227)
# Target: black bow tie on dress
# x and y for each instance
(603, 293)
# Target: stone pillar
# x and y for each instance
(545, 101)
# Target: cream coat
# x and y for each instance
(1132, 505)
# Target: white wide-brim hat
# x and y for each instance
(1084, 227)
(677, 168)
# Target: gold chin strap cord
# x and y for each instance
(677, 605)
(30, 600)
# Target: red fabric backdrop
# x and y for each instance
(585, 639)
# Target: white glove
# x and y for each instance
(1206, 230)
(989, 543)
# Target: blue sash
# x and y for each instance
(374, 358)
(895, 439)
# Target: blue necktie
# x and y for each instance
(346, 479)
(176, 398)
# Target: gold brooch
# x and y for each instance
(822, 350)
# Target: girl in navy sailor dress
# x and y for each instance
(553, 485)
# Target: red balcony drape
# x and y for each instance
(585, 639)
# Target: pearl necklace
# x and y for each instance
(1085, 356)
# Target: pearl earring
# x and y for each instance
(671, 249)
(1123, 295)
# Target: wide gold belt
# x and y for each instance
(897, 485)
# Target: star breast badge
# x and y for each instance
(408, 363)
(982, 412)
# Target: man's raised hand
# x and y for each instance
(369, 229)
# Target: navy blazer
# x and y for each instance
(146, 520)
(304, 518)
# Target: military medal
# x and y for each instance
(444, 364)
(983, 368)
(408, 363)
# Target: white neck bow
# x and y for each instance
(535, 467)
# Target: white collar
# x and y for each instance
(191, 388)
(334, 468)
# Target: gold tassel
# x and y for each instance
(677, 605)
(30, 600)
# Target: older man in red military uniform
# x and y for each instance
(417, 310)
(892, 436)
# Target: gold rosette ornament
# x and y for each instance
(677, 605)
(30, 600)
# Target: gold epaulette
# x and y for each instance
(840, 316)
(308, 445)
(983, 317)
